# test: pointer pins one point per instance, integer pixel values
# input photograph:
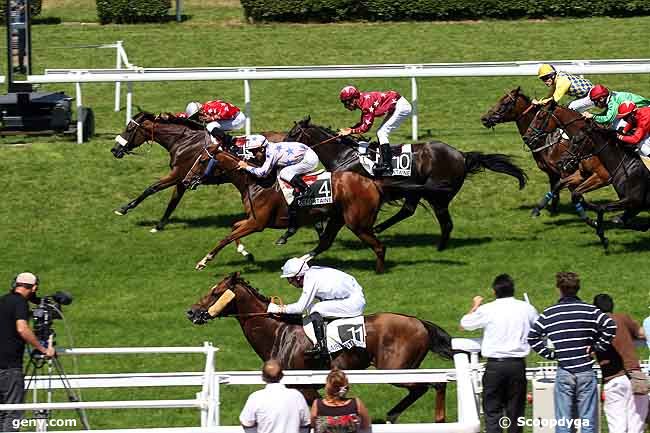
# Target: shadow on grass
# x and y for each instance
(274, 265)
(417, 240)
(226, 220)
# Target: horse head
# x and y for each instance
(224, 165)
(231, 296)
(509, 108)
(542, 124)
(138, 130)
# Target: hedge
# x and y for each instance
(132, 11)
(35, 6)
(391, 10)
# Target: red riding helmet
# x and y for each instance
(625, 109)
(598, 91)
(349, 93)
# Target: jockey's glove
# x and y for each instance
(274, 308)
(587, 115)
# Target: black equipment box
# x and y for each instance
(35, 112)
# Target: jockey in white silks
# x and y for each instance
(340, 295)
(295, 159)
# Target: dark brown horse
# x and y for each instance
(394, 341)
(182, 138)
(356, 202)
(630, 177)
(514, 106)
(434, 163)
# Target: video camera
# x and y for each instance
(48, 310)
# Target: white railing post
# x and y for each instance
(179, 7)
(80, 124)
(118, 66)
(414, 113)
(129, 101)
(208, 391)
(247, 105)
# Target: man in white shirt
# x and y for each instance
(505, 323)
(275, 409)
(339, 294)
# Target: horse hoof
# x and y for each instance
(200, 265)
(154, 230)
(281, 241)
(535, 213)
(617, 220)
(119, 212)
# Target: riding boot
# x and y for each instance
(208, 169)
(222, 137)
(300, 188)
(384, 167)
(320, 349)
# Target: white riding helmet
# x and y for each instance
(255, 141)
(192, 108)
(294, 267)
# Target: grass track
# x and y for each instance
(131, 287)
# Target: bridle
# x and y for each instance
(273, 299)
(509, 105)
(541, 131)
(129, 150)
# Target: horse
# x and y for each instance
(434, 163)
(629, 176)
(356, 203)
(183, 139)
(515, 106)
(394, 341)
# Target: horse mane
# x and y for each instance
(348, 140)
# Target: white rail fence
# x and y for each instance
(208, 399)
(251, 73)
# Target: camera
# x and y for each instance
(48, 310)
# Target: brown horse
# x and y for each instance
(394, 341)
(182, 138)
(356, 202)
(629, 176)
(591, 174)
(434, 163)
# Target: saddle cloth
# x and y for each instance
(320, 188)
(341, 333)
(402, 158)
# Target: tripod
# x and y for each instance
(37, 361)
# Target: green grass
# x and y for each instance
(132, 287)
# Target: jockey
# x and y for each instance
(603, 98)
(374, 104)
(561, 83)
(295, 159)
(638, 121)
(220, 116)
(340, 295)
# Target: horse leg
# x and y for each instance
(407, 210)
(415, 392)
(177, 195)
(440, 208)
(163, 183)
(441, 398)
(380, 249)
(554, 193)
(553, 179)
(240, 229)
(592, 183)
(326, 239)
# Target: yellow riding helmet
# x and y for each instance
(545, 70)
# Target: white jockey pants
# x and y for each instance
(308, 163)
(619, 406)
(582, 104)
(402, 111)
(644, 146)
(349, 307)
(237, 122)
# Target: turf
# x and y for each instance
(132, 287)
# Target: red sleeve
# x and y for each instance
(364, 124)
(634, 138)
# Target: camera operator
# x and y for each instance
(14, 333)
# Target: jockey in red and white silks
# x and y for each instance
(218, 114)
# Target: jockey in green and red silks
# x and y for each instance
(390, 104)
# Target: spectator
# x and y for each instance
(14, 333)
(625, 385)
(506, 322)
(337, 413)
(576, 329)
(275, 409)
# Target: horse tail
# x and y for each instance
(477, 161)
(439, 339)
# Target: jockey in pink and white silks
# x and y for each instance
(339, 295)
(295, 159)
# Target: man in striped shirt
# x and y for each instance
(576, 330)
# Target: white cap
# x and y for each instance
(26, 278)
(255, 141)
(294, 267)
(192, 108)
